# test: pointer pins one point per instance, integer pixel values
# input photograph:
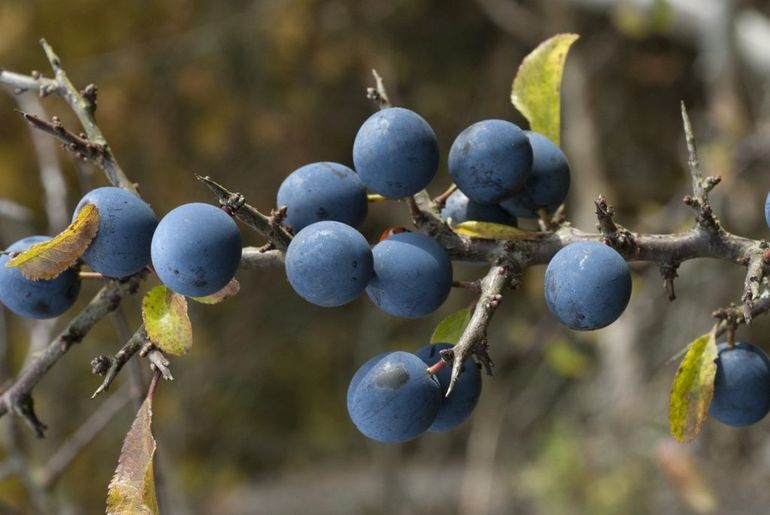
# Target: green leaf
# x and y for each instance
(536, 89)
(230, 290)
(132, 488)
(48, 259)
(451, 328)
(693, 388)
(166, 322)
(491, 231)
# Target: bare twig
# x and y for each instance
(377, 94)
(83, 104)
(78, 145)
(160, 363)
(700, 186)
(235, 204)
(253, 257)
(754, 274)
(474, 339)
(109, 366)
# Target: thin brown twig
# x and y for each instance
(235, 203)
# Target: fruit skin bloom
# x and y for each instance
(490, 161)
(121, 247)
(392, 399)
(742, 385)
(395, 152)
(587, 285)
(412, 275)
(196, 249)
(323, 191)
(329, 263)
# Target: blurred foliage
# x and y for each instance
(247, 91)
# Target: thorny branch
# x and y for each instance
(508, 258)
(82, 103)
(268, 227)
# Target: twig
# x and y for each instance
(474, 339)
(377, 94)
(606, 216)
(754, 274)
(441, 199)
(86, 433)
(109, 366)
(253, 257)
(83, 104)
(160, 364)
(668, 271)
(18, 398)
(236, 205)
(701, 186)
(78, 145)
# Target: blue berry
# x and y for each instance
(323, 191)
(547, 185)
(395, 152)
(742, 385)
(455, 408)
(412, 275)
(329, 263)
(36, 299)
(587, 285)
(121, 247)
(490, 161)
(460, 209)
(392, 399)
(196, 249)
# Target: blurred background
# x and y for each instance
(249, 90)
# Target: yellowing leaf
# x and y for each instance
(230, 290)
(132, 488)
(451, 328)
(48, 259)
(491, 231)
(166, 322)
(536, 89)
(693, 388)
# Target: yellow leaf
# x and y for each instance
(48, 259)
(536, 89)
(132, 488)
(491, 231)
(165, 319)
(451, 328)
(230, 290)
(693, 388)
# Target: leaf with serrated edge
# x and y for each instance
(48, 259)
(693, 388)
(536, 91)
(165, 319)
(451, 328)
(490, 231)
(230, 290)
(132, 488)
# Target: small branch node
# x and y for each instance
(160, 363)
